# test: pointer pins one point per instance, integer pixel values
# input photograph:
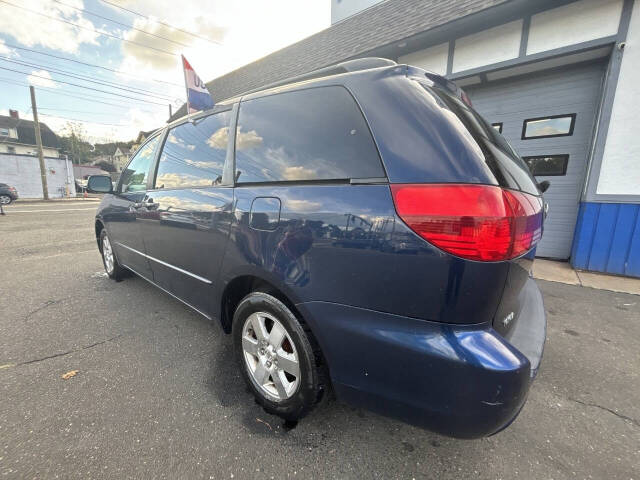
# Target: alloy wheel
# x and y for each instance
(270, 356)
(107, 254)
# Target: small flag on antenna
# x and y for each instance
(198, 97)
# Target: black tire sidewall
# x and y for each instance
(306, 395)
(117, 270)
(10, 199)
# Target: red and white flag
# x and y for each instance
(198, 97)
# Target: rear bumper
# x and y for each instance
(464, 381)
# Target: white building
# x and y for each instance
(19, 163)
(17, 136)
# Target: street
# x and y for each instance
(157, 393)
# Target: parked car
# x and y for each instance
(360, 228)
(7, 194)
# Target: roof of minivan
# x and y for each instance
(334, 75)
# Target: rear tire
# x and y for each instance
(114, 270)
(275, 357)
(5, 199)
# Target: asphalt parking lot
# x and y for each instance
(157, 395)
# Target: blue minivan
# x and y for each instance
(359, 228)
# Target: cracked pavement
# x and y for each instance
(157, 394)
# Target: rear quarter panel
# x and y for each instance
(344, 244)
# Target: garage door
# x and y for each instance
(549, 119)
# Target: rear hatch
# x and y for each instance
(515, 178)
(495, 218)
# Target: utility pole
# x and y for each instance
(170, 111)
(36, 124)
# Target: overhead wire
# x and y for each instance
(161, 22)
(88, 64)
(121, 24)
(81, 86)
(80, 97)
(106, 34)
(84, 121)
(136, 90)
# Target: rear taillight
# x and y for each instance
(478, 222)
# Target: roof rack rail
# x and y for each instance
(343, 67)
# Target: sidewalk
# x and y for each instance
(563, 272)
(40, 201)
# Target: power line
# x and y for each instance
(166, 52)
(89, 64)
(82, 86)
(84, 121)
(55, 109)
(122, 24)
(71, 95)
(162, 23)
(52, 66)
(139, 91)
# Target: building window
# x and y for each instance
(552, 126)
(4, 132)
(547, 165)
(497, 126)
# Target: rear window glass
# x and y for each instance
(312, 134)
(503, 161)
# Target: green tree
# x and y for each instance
(74, 143)
(106, 166)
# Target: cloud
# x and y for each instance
(177, 180)
(299, 173)
(6, 51)
(303, 205)
(202, 164)
(247, 140)
(30, 29)
(248, 29)
(219, 139)
(41, 78)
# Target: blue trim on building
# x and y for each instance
(607, 238)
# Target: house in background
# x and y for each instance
(19, 163)
(17, 136)
(142, 136)
(120, 158)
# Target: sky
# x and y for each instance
(216, 36)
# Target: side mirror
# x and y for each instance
(544, 186)
(99, 184)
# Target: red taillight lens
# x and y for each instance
(478, 222)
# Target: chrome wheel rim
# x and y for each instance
(5, 199)
(270, 356)
(107, 254)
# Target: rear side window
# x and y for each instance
(313, 134)
(193, 154)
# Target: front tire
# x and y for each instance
(109, 260)
(275, 357)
